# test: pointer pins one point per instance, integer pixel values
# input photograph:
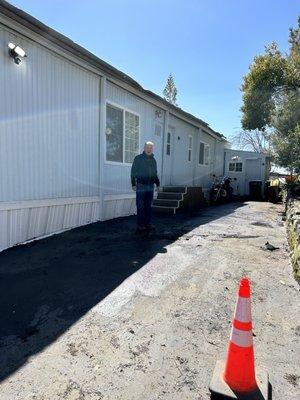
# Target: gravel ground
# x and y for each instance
(101, 313)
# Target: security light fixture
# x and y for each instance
(234, 158)
(158, 113)
(16, 52)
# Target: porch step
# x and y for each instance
(174, 189)
(170, 195)
(164, 210)
(166, 202)
(173, 199)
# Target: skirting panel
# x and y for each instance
(114, 208)
(23, 221)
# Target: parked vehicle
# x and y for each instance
(221, 190)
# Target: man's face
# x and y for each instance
(148, 149)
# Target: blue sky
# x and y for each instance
(207, 45)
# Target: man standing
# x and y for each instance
(143, 178)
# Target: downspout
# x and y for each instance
(195, 158)
(165, 131)
(224, 161)
(102, 127)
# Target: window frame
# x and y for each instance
(123, 109)
(206, 145)
(168, 143)
(190, 148)
(235, 171)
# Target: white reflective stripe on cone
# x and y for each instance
(241, 338)
(243, 309)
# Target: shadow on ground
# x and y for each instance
(47, 285)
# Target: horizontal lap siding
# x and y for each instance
(49, 125)
(117, 177)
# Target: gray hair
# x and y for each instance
(148, 143)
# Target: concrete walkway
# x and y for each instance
(100, 313)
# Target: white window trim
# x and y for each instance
(124, 109)
(235, 172)
(208, 145)
(190, 148)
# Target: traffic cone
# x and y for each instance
(236, 378)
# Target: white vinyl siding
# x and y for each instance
(122, 134)
(190, 147)
(204, 153)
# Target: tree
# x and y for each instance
(287, 150)
(170, 91)
(256, 140)
(271, 99)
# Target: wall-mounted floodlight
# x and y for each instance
(16, 52)
(235, 158)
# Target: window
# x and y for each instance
(168, 143)
(235, 167)
(190, 146)
(122, 135)
(204, 153)
(158, 130)
(131, 136)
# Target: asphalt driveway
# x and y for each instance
(102, 313)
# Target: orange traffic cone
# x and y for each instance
(236, 379)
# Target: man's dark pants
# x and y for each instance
(144, 197)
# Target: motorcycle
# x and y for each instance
(221, 191)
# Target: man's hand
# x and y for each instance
(134, 188)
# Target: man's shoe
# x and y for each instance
(141, 228)
(150, 227)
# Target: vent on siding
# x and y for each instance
(158, 130)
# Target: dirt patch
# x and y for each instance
(262, 223)
(292, 379)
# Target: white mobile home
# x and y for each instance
(70, 126)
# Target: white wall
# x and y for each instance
(49, 143)
(49, 125)
(182, 172)
(241, 183)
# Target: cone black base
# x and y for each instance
(221, 391)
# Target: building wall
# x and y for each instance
(49, 143)
(240, 180)
(181, 169)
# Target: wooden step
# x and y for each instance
(169, 195)
(165, 210)
(166, 202)
(174, 189)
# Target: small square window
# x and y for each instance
(231, 167)
(235, 167)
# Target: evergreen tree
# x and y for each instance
(170, 91)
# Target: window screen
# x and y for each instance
(114, 134)
(131, 136)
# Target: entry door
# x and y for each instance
(252, 172)
(169, 156)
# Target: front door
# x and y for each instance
(252, 172)
(169, 156)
